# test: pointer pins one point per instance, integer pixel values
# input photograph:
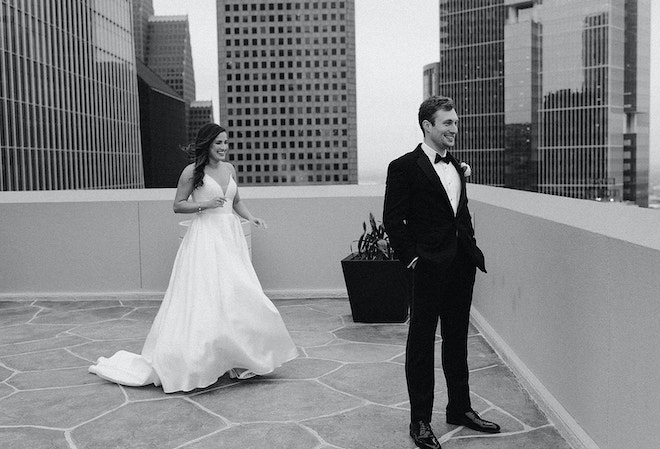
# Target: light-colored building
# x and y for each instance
(142, 10)
(552, 99)
(287, 90)
(69, 115)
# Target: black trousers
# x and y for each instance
(447, 295)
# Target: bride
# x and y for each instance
(214, 317)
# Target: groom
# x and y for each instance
(429, 224)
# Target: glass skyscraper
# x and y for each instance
(287, 90)
(69, 116)
(553, 95)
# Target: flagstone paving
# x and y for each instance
(346, 390)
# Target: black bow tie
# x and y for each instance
(444, 159)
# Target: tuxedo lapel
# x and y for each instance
(425, 165)
(462, 199)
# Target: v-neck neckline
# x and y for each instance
(224, 191)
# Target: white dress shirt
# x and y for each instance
(448, 175)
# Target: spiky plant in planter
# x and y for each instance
(375, 281)
(373, 244)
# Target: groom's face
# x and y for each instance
(443, 132)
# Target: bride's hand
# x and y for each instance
(218, 201)
(259, 223)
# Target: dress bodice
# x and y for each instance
(210, 189)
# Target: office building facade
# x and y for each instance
(201, 113)
(169, 54)
(553, 99)
(69, 114)
(287, 90)
(142, 10)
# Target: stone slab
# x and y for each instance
(60, 408)
(29, 333)
(543, 438)
(311, 338)
(66, 305)
(8, 304)
(371, 426)
(356, 352)
(5, 373)
(45, 360)
(382, 383)
(81, 316)
(18, 315)
(54, 378)
(278, 401)
(93, 350)
(143, 314)
(162, 424)
(306, 319)
(5, 390)
(499, 386)
(304, 368)
(259, 436)
(391, 334)
(142, 302)
(480, 353)
(114, 330)
(62, 341)
(31, 438)
(339, 307)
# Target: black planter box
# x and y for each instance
(378, 290)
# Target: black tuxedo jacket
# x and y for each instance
(418, 216)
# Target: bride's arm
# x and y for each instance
(242, 210)
(184, 189)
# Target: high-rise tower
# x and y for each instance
(201, 113)
(169, 54)
(552, 99)
(69, 116)
(142, 10)
(287, 90)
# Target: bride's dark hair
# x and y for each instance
(198, 152)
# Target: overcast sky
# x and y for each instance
(394, 40)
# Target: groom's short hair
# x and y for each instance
(429, 107)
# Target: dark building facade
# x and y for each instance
(552, 99)
(201, 113)
(163, 130)
(287, 90)
(169, 53)
(69, 115)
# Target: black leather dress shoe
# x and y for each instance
(422, 435)
(472, 420)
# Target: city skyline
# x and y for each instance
(389, 73)
(553, 100)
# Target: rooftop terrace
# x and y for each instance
(346, 390)
(570, 304)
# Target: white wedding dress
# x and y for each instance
(214, 316)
